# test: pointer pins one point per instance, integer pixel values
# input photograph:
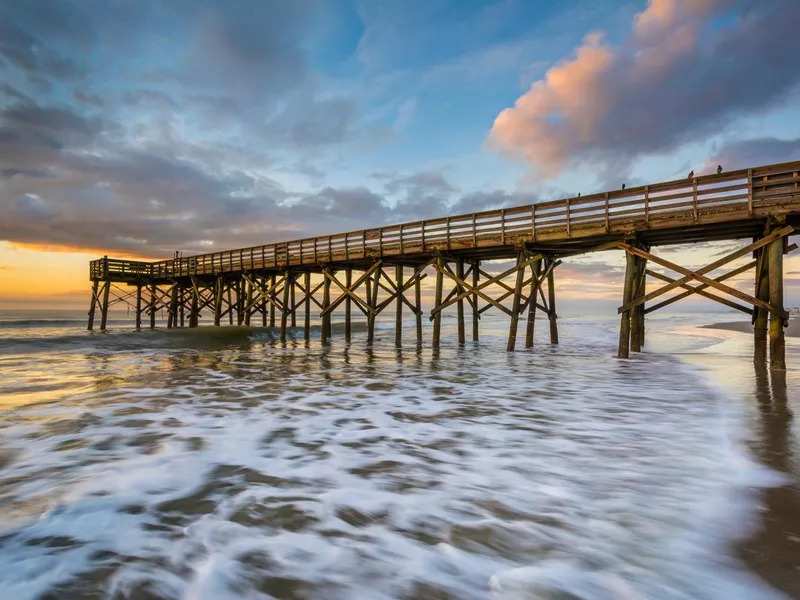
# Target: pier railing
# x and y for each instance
(744, 194)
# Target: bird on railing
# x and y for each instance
(579, 194)
(623, 186)
(691, 174)
(719, 169)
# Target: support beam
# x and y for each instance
(348, 281)
(477, 290)
(418, 305)
(460, 303)
(285, 312)
(249, 291)
(240, 301)
(699, 274)
(437, 301)
(350, 291)
(475, 314)
(700, 291)
(292, 302)
(181, 307)
(535, 283)
(515, 305)
(637, 314)
(777, 343)
(551, 304)
(761, 316)
(173, 306)
(138, 307)
(625, 319)
(398, 321)
(696, 289)
(219, 292)
(373, 286)
(153, 306)
(95, 287)
(104, 305)
(272, 279)
(325, 332)
(307, 308)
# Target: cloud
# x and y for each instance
(749, 152)
(688, 69)
(93, 188)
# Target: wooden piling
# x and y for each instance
(551, 292)
(460, 304)
(372, 302)
(761, 315)
(153, 290)
(777, 343)
(418, 305)
(292, 303)
(218, 295)
(476, 265)
(272, 280)
(636, 314)
(515, 304)
(307, 312)
(325, 332)
(182, 307)
(285, 311)
(437, 301)
(535, 270)
(95, 287)
(240, 302)
(348, 282)
(104, 305)
(173, 306)
(264, 301)
(248, 305)
(194, 308)
(138, 307)
(398, 321)
(625, 319)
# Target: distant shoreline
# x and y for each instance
(793, 330)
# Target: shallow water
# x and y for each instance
(222, 464)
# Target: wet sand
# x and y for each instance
(793, 330)
(772, 399)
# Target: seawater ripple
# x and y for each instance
(248, 469)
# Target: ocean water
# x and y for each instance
(219, 463)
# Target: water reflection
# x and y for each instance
(775, 546)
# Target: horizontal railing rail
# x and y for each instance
(747, 193)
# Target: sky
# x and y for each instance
(138, 128)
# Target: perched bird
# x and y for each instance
(579, 194)
(691, 174)
(623, 186)
(719, 169)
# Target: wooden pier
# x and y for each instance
(380, 269)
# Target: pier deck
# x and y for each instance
(749, 203)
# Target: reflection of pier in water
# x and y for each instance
(379, 269)
(774, 548)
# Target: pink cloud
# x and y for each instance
(682, 74)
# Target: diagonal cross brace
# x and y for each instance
(698, 290)
(477, 290)
(364, 306)
(699, 276)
